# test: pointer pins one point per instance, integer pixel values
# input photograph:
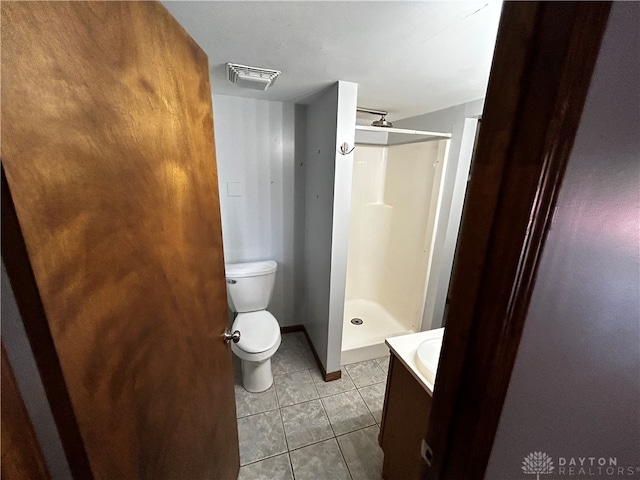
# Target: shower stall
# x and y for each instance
(395, 199)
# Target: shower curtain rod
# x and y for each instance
(403, 130)
(371, 111)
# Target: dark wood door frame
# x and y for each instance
(544, 57)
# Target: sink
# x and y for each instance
(427, 357)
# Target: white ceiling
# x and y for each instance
(408, 57)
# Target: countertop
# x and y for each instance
(404, 347)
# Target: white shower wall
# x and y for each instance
(414, 172)
(394, 201)
(370, 224)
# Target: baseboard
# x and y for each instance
(331, 376)
(292, 329)
(328, 377)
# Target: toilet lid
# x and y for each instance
(259, 331)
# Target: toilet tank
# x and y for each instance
(250, 285)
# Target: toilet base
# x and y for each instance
(257, 376)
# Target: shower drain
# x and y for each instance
(356, 321)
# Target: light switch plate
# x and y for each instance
(426, 452)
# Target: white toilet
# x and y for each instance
(249, 289)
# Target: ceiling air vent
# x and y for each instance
(251, 77)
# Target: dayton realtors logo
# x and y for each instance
(537, 463)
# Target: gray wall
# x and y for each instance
(300, 176)
(450, 120)
(23, 363)
(330, 121)
(575, 388)
(255, 154)
(319, 189)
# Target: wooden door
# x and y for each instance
(112, 237)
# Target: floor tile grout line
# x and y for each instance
(333, 434)
(359, 428)
(275, 391)
(316, 443)
(340, 393)
(293, 472)
(365, 404)
(368, 407)
(257, 413)
(288, 452)
(349, 433)
(256, 393)
(300, 403)
(315, 387)
(344, 459)
(373, 383)
(284, 432)
(311, 444)
(356, 430)
(266, 458)
(303, 401)
(380, 367)
(275, 454)
(328, 419)
(386, 370)
(365, 401)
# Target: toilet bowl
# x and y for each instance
(249, 289)
(259, 340)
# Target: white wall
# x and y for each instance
(345, 133)
(575, 387)
(255, 157)
(450, 120)
(330, 121)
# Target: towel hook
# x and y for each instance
(344, 149)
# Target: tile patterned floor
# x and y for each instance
(304, 428)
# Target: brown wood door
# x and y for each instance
(112, 237)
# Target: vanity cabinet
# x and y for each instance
(405, 419)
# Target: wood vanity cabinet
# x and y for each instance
(405, 419)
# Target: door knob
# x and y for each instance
(228, 336)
